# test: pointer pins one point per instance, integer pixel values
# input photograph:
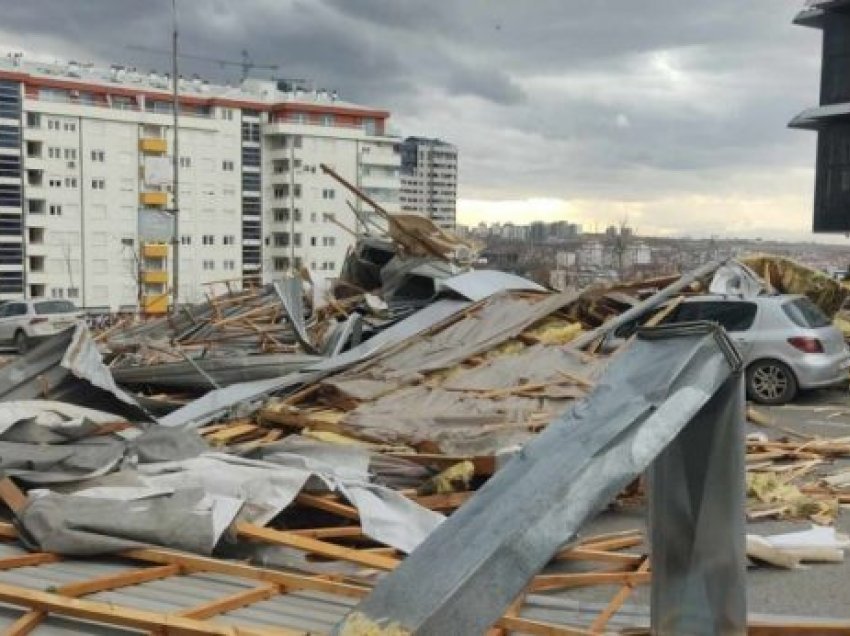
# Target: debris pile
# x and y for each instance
(369, 459)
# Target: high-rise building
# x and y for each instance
(429, 180)
(86, 182)
(831, 119)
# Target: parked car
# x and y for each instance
(24, 322)
(786, 341)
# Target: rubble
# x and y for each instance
(376, 437)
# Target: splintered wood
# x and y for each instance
(792, 476)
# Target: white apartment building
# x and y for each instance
(86, 183)
(429, 180)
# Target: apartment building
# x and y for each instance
(429, 180)
(86, 187)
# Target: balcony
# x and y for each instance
(155, 276)
(155, 303)
(154, 198)
(156, 145)
(155, 250)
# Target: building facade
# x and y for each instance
(429, 180)
(86, 188)
(831, 119)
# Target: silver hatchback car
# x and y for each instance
(786, 341)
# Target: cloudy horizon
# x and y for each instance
(672, 116)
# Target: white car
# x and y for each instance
(23, 322)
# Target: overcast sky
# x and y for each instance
(672, 114)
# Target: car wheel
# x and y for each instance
(771, 382)
(21, 342)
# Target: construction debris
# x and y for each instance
(384, 450)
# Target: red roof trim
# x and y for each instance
(189, 100)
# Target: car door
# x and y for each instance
(9, 320)
(4, 319)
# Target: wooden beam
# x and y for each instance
(447, 501)
(122, 579)
(167, 624)
(314, 546)
(343, 532)
(620, 597)
(25, 560)
(539, 628)
(12, 496)
(587, 554)
(328, 504)
(194, 563)
(232, 602)
(29, 621)
(566, 581)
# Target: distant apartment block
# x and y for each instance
(831, 119)
(429, 180)
(86, 182)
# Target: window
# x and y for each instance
(251, 205)
(98, 184)
(185, 162)
(70, 126)
(296, 141)
(57, 292)
(227, 166)
(10, 100)
(98, 155)
(298, 215)
(297, 239)
(280, 263)
(54, 153)
(313, 217)
(10, 137)
(329, 241)
(11, 225)
(228, 240)
(313, 241)
(327, 120)
(73, 292)
(70, 153)
(10, 166)
(10, 195)
(297, 190)
(229, 265)
(280, 215)
(280, 191)
(732, 316)
(185, 240)
(209, 266)
(55, 210)
(280, 239)
(70, 182)
(251, 157)
(128, 242)
(55, 183)
(328, 193)
(251, 181)
(208, 239)
(328, 217)
(250, 131)
(804, 313)
(12, 283)
(227, 114)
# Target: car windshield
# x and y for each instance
(804, 313)
(54, 307)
